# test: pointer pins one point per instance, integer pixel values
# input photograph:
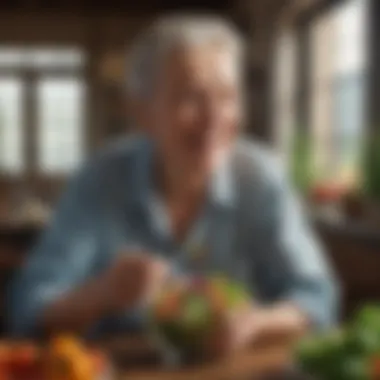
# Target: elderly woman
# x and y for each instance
(185, 197)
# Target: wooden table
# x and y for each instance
(262, 359)
(135, 358)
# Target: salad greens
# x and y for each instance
(352, 353)
(183, 318)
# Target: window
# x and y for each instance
(42, 110)
(39, 58)
(325, 62)
(60, 121)
(11, 125)
(338, 78)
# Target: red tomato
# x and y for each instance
(5, 357)
(99, 360)
(168, 307)
(198, 284)
(217, 298)
(327, 193)
(375, 368)
(4, 376)
(24, 362)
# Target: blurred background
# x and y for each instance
(313, 73)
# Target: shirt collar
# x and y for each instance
(223, 186)
(222, 189)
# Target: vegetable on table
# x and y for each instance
(351, 353)
(184, 313)
(63, 358)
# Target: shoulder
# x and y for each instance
(122, 152)
(259, 164)
(112, 166)
(265, 189)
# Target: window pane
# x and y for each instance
(56, 58)
(338, 91)
(11, 137)
(349, 92)
(349, 87)
(41, 58)
(60, 124)
(11, 57)
(350, 30)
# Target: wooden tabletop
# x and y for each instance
(137, 358)
(250, 364)
(260, 360)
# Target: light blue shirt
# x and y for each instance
(252, 228)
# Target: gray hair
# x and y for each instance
(175, 31)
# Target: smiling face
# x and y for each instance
(195, 110)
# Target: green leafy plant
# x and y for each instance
(371, 168)
(352, 353)
(301, 162)
(184, 314)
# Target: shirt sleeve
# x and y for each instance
(293, 265)
(63, 258)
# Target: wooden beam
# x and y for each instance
(101, 7)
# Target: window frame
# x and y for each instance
(53, 76)
(10, 174)
(30, 75)
(303, 30)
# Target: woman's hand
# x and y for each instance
(234, 331)
(231, 332)
(133, 279)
